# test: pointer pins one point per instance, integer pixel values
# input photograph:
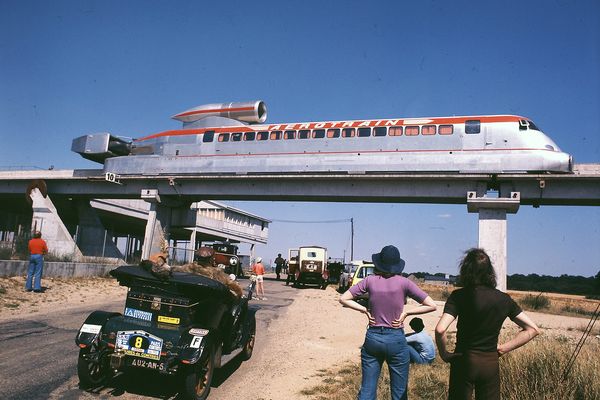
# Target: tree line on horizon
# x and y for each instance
(566, 284)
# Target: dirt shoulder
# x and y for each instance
(57, 293)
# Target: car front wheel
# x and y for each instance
(249, 346)
(197, 378)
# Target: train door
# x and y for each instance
(473, 136)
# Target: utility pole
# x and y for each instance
(351, 239)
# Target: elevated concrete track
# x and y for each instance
(582, 188)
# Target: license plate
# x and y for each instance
(141, 363)
(139, 344)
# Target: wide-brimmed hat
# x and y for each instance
(258, 259)
(388, 260)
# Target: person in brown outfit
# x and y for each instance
(481, 310)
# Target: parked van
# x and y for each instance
(312, 266)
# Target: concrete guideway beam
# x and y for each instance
(493, 231)
(578, 189)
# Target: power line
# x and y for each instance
(312, 222)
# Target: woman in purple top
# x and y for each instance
(387, 291)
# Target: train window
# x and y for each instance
(446, 129)
(248, 136)
(428, 130)
(236, 137)
(318, 134)
(364, 132)
(275, 135)
(472, 126)
(348, 132)
(224, 137)
(333, 133)
(303, 133)
(395, 131)
(523, 125)
(289, 135)
(380, 131)
(208, 136)
(264, 135)
(411, 130)
(533, 126)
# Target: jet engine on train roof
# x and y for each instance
(251, 112)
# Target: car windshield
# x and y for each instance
(365, 271)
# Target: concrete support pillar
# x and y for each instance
(492, 238)
(157, 230)
(190, 254)
(93, 238)
(493, 228)
(46, 220)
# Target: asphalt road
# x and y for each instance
(38, 355)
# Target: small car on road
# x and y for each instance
(363, 269)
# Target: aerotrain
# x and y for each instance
(232, 138)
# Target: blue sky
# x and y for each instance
(68, 68)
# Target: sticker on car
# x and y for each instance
(89, 328)
(139, 314)
(139, 344)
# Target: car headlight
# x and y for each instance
(233, 261)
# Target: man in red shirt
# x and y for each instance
(37, 250)
(259, 270)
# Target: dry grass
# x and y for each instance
(532, 372)
(551, 303)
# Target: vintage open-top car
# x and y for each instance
(183, 326)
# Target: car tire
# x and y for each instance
(93, 368)
(249, 345)
(197, 378)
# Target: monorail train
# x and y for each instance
(231, 138)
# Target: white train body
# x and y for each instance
(221, 139)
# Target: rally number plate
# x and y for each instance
(139, 344)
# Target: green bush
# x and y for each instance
(535, 302)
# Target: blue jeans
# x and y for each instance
(36, 267)
(415, 357)
(389, 345)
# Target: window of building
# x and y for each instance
(289, 135)
(395, 131)
(236, 137)
(411, 131)
(333, 133)
(264, 135)
(472, 126)
(380, 131)
(318, 133)
(224, 137)
(364, 132)
(446, 129)
(208, 136)
(348, 132)
(303, 133)
(248, 136)
(275, 135)
(428, 130)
